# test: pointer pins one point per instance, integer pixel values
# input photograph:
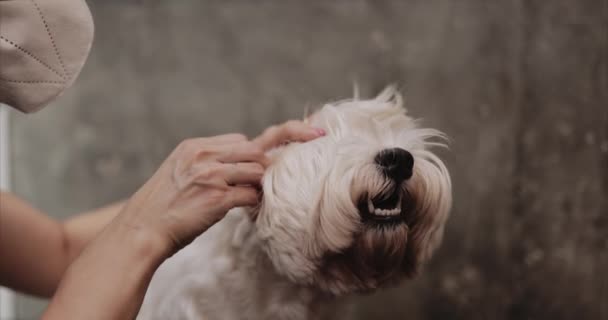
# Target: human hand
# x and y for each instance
(194, 188)
(201, 180)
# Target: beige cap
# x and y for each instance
(43, 46)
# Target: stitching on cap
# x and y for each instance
(33, 81)
(31, 56)
(48, 32)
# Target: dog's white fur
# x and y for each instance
(309, 249)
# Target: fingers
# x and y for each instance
(242, 152)
(241, 196)
(289, 131)
(243, 173)
(221, 139)
(194, 150)
(235, 148)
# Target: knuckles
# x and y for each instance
(292, 124)
(206, 173)
(289, 127)
(186, 148)
(256, 151)
(271, 131)
(191, 149)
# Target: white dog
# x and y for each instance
(351, 212)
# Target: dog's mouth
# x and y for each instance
(383, 208)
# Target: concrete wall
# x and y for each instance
(520, 87)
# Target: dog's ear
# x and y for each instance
(391, 94)
(389, 110)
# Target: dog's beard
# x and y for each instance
(378, 253)
(376, 257)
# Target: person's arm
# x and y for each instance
(197, 184)
(36, 250)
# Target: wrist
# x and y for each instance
(141, 243)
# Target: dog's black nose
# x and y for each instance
(395, 163)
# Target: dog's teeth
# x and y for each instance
(387, 212)
(383, 212)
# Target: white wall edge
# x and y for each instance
(7, 297)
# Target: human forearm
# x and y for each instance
(80, 229)
(109, 279)
(197, 184)
(32, 246)
(36, 249)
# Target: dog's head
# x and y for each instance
(359, 208)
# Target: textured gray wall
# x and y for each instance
(520, 87)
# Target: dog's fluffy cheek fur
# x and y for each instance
(432, 190)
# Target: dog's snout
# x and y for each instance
(395, 163)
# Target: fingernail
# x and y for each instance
(320, 131)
